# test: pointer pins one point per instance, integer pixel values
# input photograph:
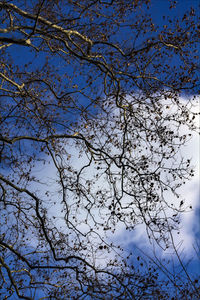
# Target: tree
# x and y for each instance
(90, 135)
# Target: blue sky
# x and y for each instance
(68, 120)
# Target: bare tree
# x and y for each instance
(90, 117)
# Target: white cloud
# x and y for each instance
(138, 236)
(185, 239)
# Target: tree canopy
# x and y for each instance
(91, 127)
